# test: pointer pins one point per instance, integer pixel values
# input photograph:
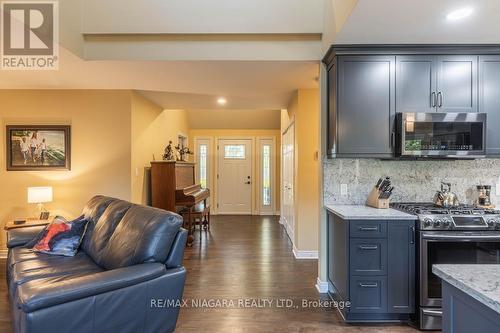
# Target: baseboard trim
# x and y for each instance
(300, 254)
(321, 286)
(3, 254)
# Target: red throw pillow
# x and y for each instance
(61, 237)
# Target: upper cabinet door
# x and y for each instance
(416, 84)
(489, 100)
(457, 86)
(366, 105)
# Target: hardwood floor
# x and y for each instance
(251, 257)
(247, 257)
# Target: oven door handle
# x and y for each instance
(432, 313)
(462, 237)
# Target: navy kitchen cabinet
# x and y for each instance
(416, 83)
(489, 100)
(366, 105)
(371, 264)
(401, 267)
(368, 84)
(457, 82)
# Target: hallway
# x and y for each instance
(251, 257)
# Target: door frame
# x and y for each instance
(290, 231)
(210, 163)
(253, 209)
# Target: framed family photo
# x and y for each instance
(42, 147)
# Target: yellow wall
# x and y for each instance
(100, 125)
(303, 109)
(214, 134)
(152, 128)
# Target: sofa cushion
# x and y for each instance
(104, 228)
(145, 234)
(50, 266)
(42, 293)
(92, 211)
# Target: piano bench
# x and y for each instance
(196, 215)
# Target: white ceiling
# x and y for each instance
(176, 84)
(421, 21)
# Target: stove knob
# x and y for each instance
(437, 223)
(497, 223)
(491, 222)
(446, 223)
(427, 222)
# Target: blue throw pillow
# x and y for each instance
(60, 237)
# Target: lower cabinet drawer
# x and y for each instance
(368, 294)
(368, 256)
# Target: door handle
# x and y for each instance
(433, 99)
(440, 99)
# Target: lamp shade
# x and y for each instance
(39, 194)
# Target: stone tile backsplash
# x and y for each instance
(415, 181)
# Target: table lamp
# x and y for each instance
(39, 195)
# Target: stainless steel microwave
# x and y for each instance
(441, 135)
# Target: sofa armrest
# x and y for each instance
(176, 254)
(21, 236)
(42, 293)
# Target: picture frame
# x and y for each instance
(38, 147)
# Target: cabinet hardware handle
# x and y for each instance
(368, 285)
(368, 247)
(440, 99)
(393, 141)
(412, 235)
(433, 99)
(368, 228)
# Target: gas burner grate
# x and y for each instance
(427, 208)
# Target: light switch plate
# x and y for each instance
(343, 189)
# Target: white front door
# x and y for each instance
(234, 183)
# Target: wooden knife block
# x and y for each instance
(375, 202)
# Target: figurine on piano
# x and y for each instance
(183, 152)
(169, 153)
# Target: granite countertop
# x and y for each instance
(356, 212)
(481, 282)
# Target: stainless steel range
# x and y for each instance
(459, 235)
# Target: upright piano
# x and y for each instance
(173, 185)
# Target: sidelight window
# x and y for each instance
(203, 149)
(266, 175)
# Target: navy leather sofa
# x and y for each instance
(127, 276)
